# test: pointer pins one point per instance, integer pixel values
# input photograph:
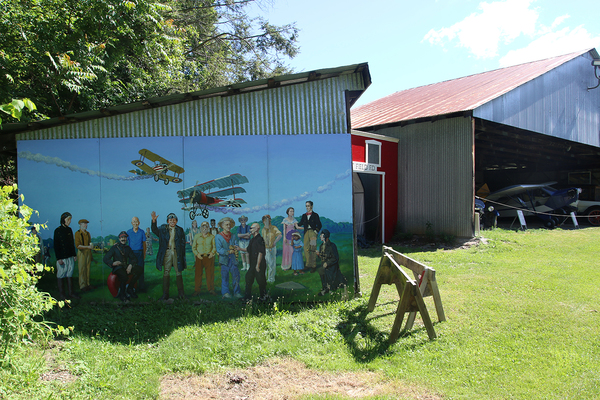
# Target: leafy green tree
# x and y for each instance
(77, 55)
(15, 108)
(21, 304)
(8, 165)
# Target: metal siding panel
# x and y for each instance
(556, 104)
(435, 176)
(307, 108)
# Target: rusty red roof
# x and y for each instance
(456, 95)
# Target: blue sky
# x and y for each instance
(90, 178)
(410, 44)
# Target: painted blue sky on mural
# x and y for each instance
(90, 177)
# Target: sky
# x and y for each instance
(90, 178)
(414, 43)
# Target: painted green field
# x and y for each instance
(310, 283)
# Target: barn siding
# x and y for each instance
(315, 107)
(435, 176)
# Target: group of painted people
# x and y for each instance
(254, 246)
(247, 245)
(126, 258)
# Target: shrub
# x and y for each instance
(21, 303)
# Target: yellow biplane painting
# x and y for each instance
(159, 169)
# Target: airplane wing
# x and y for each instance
(221, 193)
(223, 182)
(156, 158)
(516, 189)
(219, 183)
(143, 166)
(228, 192)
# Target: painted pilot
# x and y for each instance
(83, 242)
(258, 266)
(137, 242)
(123, 262)
(171, 252)
(204, 251)
(311, 224)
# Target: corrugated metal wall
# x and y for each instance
(435, 176)
(309, 108)
(556, 103)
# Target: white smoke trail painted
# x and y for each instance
(224, 210)
(284, 202)
(67, 165)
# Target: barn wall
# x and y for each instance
(310, 108)
(389, 166)
(556, 103)
(435, 176)
(93, 169)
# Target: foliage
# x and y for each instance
(77, 55)
(15, 108)
(8, 165)
(21, 304)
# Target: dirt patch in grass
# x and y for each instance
(57, 372)
(424, 244)
(285, 379)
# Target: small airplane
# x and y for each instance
(194, 198)
(533, 199)
(159, 169)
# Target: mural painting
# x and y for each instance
(213, 218)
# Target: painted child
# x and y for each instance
(297, 261)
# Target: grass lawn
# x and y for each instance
(522, 313)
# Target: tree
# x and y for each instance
(21, 304)
(8, 167)
(77, 55)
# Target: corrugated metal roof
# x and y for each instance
(170, 100)
(456, 95)
(313, 107)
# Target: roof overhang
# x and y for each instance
(8, 131)
(375, 136)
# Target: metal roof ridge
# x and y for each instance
(465, 93)
(574, 54)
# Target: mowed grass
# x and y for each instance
(522, 313)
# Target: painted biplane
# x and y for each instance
(199, 197)
(159, 169)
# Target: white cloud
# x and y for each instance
(495, 23)
(552, 43)
(559, 20)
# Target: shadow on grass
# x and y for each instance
(367, 342)
(140, 322)
(149, 322)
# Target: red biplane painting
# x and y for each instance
(194, 198)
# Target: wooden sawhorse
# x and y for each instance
(411, 291)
